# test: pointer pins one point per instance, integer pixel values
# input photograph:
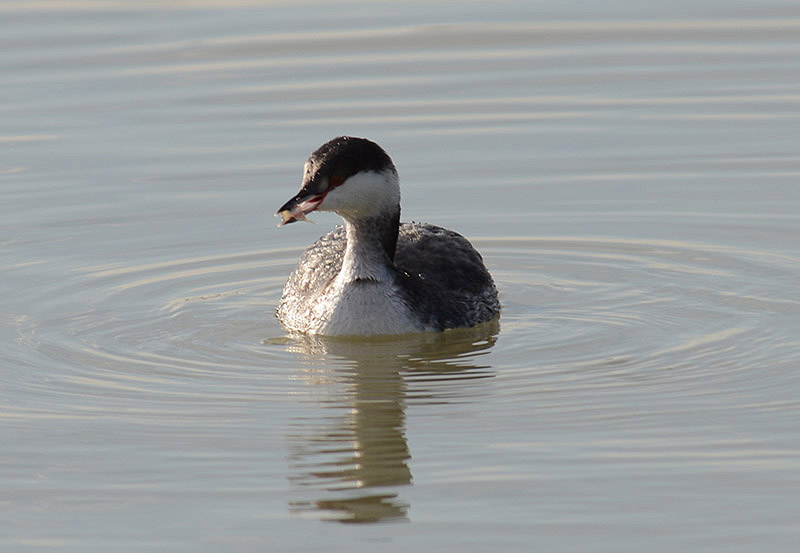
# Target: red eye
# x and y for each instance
(336, 180)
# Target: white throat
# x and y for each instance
(365, 257)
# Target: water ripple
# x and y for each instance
(689, 318)
(573, 308)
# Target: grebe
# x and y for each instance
(376, 275)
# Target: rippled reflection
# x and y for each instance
(349, 463)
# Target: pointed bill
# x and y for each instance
(298, 207)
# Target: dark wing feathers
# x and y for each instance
(447, 281)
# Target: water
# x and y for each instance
(628, 172)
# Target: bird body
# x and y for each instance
(376, 276)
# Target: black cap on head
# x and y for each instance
(341, 158)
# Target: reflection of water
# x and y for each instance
(348, 465)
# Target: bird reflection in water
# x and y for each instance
(357, 455)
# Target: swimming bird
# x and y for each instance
(375, 275)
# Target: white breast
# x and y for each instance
(356, 308)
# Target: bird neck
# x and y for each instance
(371, 243)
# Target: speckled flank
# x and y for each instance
(438, 281)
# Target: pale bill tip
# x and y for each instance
(291, 215)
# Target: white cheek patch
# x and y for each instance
(364, 194)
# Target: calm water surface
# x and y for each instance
(630, 174)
